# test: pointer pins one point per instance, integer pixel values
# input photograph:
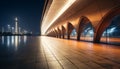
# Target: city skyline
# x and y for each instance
(28, 13)
(15, 28)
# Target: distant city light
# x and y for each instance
(74, 33)
(12, 27)
(14, 30)
(8, 25)
(112, 30)
(109, 31)
(16, 19)
(91, 32)
(9, 28)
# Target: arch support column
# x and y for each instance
(104, 23)
(63, 36)
(96, 38)
(78, 37)
(68, 36)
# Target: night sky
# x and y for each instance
(28, 12)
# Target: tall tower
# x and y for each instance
(16, 25)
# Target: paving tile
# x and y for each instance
(54, 65)
(53, 53)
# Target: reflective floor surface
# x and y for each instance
(21, 52)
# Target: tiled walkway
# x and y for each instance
(53, 53)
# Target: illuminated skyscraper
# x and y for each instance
(16, 25)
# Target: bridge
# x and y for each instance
(87, 20)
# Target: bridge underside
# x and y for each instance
(60, 18)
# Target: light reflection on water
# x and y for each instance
(25, 39)
(16, 42)
(13, 41)
(8, 40)
(19, 38)
(2, 39)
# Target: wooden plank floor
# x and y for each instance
(53, 53)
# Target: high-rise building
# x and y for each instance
(16, 25)
(9, 28)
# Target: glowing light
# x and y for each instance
(25, 39)
(91, 32)
(8, 25)
(16, 26)
(12, 40)
(2, 39)
(63, 9)
(12, 27)
(8, 40)
(9, 28)
(13, 30)
(19, 39)
(16, 19)
(74, 33)
(111, 30)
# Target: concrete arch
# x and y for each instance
(81, 25)
(105, 22)
(50, 33)
(70, 27)
(59, 32)
(63, 31)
